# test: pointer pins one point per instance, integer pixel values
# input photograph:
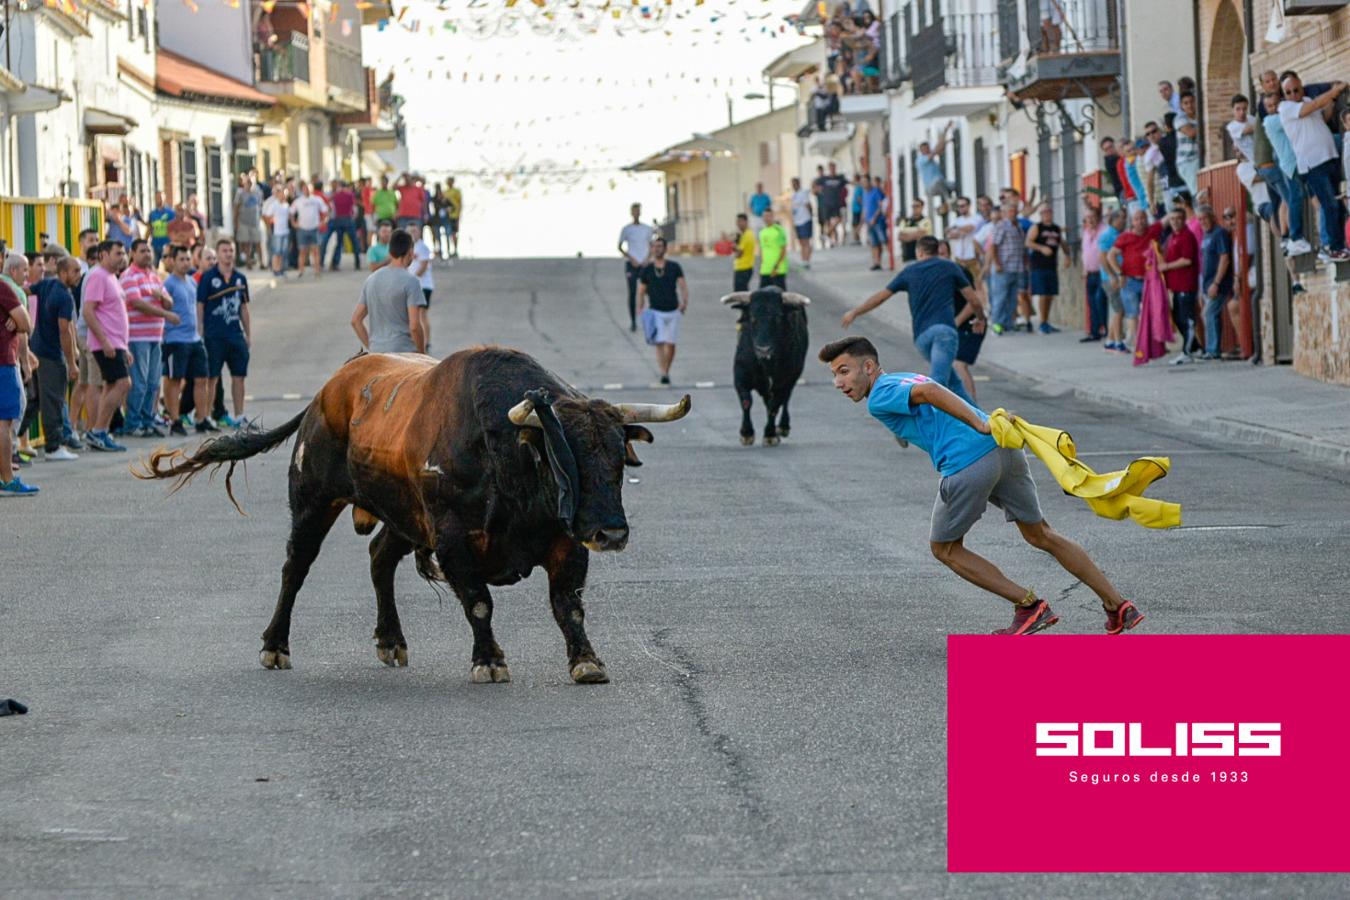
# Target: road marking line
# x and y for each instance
(290, 396)
(248, 398)
(705, 384)
(611, 387)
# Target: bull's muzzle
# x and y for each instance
(608, 539)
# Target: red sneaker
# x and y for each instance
(1030, 619)
(1127, 615)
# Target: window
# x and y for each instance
(154, 174)
(215, 186)
(143, 27)
(133, 183)
(187, 169)
(981, 180)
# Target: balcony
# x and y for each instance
(1059, 49)
(283, 71)
(954, 65)
(346, 78)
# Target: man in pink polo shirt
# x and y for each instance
(148, 308)
(104, 309)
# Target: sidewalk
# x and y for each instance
(1234, 400)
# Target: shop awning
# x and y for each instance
(100, 121)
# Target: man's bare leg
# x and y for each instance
(1073, 558)
(236, 395)
(978, 570)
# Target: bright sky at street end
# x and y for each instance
(537, 128)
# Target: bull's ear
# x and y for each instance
(637, 433)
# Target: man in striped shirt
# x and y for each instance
(149, 306)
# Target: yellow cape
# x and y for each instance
(1113, 495)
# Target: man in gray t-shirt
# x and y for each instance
(393, 301)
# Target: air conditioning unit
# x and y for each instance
(1313, 7)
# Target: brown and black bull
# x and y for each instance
(770, 355)
(484, 465)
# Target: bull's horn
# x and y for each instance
(654, 412)
(738, 297)
(794, 299)
(523, 414)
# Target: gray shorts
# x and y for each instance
(1000, 477)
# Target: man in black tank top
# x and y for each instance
(1043, 246)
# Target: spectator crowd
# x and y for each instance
(131, 336)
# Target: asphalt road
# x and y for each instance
(775, 634)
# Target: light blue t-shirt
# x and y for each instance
(930, 170)
(377, 252)
(1279, 142)
(759, 203)
(949, 442)
(184, 294)
(1107, 239)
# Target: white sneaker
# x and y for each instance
(1297, 248)
(60, 454)
(1181, 359)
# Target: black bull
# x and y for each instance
(770, 355)
(485, 465)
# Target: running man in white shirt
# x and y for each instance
(801, 220)
(635, 242)
(421, 267)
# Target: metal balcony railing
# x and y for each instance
(1057, 27)
(960, 50)
(286, 60)
(345, 69)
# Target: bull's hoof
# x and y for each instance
(275, 659)
(783, 431)
(392, 656)
(771, 440)
(747, 440)
(590, 671)
(488, 674)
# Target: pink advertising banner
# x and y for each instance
(1204, 753)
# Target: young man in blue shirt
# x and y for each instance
(975, 472)
(184, 350)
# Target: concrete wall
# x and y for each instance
(213, 35)
(1159, 43)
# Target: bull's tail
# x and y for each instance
(229, 449)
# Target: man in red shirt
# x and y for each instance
(1181, 271)
(1127, 260)
(343, 201)
(411, 199)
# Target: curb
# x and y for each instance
(1313, 448)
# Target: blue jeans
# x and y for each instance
(1289, 192)
(337, 228)
(1214, 323)
(1132, 296)
(1322, 182)
(1004, 297)
(146, 368)
(1096, 298)
(938, 344)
